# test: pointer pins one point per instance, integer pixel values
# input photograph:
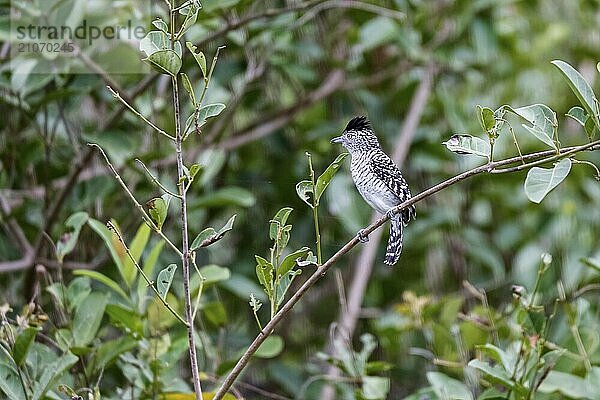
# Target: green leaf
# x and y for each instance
(194, 169)
(97, 276)
(540, 181)
(112, 243)
(535, 321)
(582, 117)
(213, 273)
(377, 31)
(23, 344)
(209, 111)
(448, 388)
(191, 14)
(160, 24)
(498, 355)
(187, 85)
(136, 248)
(543, 122)
(486, 119)
(165, 61)
(494, 374)
(467, 144)
(581, 88)
(203, 236)
(199, 56)
(310, 259)
(227, 196)
(215, 312)
(304, 188)
(278, 221)
(569, 385)
(264, 272)
(592, 380)
(51, 372)
(209, 236)
(492, 394)
(156, 41)
(578, 114)
(241, 286)
(164, 280)
(255, 303)
(125, 318)
(10, 383)
(375, 387)
(109, 351)
(590, 128)
(325, 178)
(270, 348)
(289, 261)
(88, 316)
(78, 289)
(67, 242)
(158, 208)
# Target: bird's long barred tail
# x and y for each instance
(394, 246)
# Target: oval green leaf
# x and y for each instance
(199, 56)
(289, 261)
(214, 273)
(540, 181)
(467, 144)
(278, 221)
(581, 88)
(325, 178)
(166, 61)
(97, 276)
(87, 318)
(270, 348)
(23, 344)
(543, 122)
(164, 280)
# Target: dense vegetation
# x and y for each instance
(102, 269)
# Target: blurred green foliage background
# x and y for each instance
(292, 74)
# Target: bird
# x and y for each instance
(378, 180)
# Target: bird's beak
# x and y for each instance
(339, 139)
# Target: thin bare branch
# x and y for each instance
(145, 215)
(156, 181)
(149, 283)
(136, 112)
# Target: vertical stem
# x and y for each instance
(185, 250)
(317, 233)
(315, 210)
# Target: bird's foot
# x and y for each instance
(390, 213)
(362, 236)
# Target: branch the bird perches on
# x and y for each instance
(490, 167)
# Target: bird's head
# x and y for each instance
(358, 136)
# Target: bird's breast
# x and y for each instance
(372, 189)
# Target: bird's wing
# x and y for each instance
(385, 169)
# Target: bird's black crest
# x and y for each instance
(358, 124)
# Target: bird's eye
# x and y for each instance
(350, 136)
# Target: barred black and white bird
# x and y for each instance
(378, 180)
